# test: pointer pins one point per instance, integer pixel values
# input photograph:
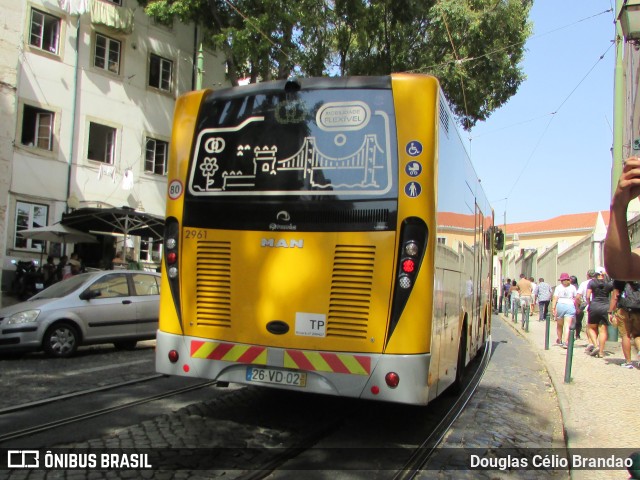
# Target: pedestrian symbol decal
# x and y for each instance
(413, 169)
(414, 148)
(413, 189)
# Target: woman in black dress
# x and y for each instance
(598, 292)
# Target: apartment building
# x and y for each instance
(87, 89)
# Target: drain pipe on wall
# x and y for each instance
(73, 117)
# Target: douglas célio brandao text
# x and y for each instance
(572, 461)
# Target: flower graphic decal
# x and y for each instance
(209, 167)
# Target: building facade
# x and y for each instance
(88, 90)
(568, 243)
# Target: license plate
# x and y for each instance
(279, 377)
(39, 286)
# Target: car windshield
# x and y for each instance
(65, 287)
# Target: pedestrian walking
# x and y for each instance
(506, 291)
(544, 298)
(598, 303)
(625, 310)
(563, 308)
(526, 298)
(515, 301)
(580, 307)
(534, 295)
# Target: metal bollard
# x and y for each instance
(547, 330)
(568, 363)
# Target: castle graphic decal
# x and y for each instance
(256, 169)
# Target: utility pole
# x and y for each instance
(618, 103)
(504, 244)
(199, 68)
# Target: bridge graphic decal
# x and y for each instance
(223, 167)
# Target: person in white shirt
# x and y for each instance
(563, 308)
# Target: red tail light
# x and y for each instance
(392, 379)
(173, 355)
(408, 265)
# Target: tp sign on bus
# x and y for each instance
(311, 324)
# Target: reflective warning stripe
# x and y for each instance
(229, 352)
(328, 362)
(296, 359)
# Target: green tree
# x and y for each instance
(474, 47)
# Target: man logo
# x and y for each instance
(272, 243)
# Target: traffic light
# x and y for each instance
(499, 240)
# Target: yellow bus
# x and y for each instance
(326, 235)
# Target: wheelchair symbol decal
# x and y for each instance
(413, 169)
(414, 148)
(412, 189)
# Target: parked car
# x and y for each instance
(119, 307)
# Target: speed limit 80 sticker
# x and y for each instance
(175, 189)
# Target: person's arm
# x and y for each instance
(553, 305)
(621, 263)
(588, 298)
(613, 302)
(578, 299)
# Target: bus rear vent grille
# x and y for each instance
(371, 216)
(351, 284)
(213, 284)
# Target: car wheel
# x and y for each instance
(60, 340)
(126, 344)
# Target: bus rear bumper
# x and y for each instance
(343, 374)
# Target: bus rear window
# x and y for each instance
(333, 142)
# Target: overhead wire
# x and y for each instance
(553, 115)
(455, 54)
(506, 47)
(257, 28)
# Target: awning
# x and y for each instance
(124, 220)
(57, 233)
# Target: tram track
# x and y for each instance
(425, 450)
(390, 465)
(67, 396)
(67, 420)
(256, 433)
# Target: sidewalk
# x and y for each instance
(599, 405)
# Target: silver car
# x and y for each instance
(112, 306)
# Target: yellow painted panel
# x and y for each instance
(274, 278)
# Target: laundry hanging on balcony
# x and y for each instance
(112, 16)
(127, 179)
(74, 7)
(107, 171)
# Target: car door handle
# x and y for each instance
(126, 302)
